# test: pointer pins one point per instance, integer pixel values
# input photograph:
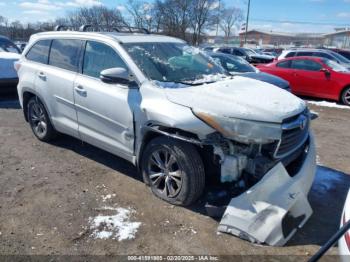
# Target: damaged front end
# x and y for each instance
(272, 167)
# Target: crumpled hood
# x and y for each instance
(239, 97)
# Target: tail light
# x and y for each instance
(347, 234)
(17, 65)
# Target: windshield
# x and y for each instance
(341, 58)
(8, 46)
(234, 64)
(172, 62)
(249, 52)
(335, 66)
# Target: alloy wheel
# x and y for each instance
(164, 172)
(38, 119)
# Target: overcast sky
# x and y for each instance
(271, 15)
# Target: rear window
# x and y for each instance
(65, 54)
(7, 46)
(291, 54)
(39, 52)
(284, 64)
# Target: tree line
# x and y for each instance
(190, 20)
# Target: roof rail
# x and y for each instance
(119, 29)
(84, 27)
(131, 29)
(59, 27)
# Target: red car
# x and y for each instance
(313, 76)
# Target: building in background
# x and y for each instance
(339, 39)
(278, 39)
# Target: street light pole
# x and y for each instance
(246, 24)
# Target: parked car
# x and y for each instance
(313, 76)
(21, 45)
(344, 241)
(316, 53)
(171, 111)
(248, 54)
(9, 54)
(236, 65)
(343, 52)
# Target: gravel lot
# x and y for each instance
(50, 194)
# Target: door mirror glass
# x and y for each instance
(116, 75)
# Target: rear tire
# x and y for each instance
(174, 170)
(345, 96)
(39, 120)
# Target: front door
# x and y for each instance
(104, 110)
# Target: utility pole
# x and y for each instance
(246, 24)
(218, 20)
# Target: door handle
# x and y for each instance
(42, 76)
(80, 90)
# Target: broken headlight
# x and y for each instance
(241, 130)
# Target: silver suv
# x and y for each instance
(179, 117)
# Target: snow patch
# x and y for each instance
(328, 104)
(106, 197)
(117, 226)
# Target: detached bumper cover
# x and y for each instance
(271, 211)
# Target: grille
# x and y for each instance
(295, 132)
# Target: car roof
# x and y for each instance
(315, 58)
(308, 50)
(119, 37)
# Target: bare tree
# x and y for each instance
(229, 20)
(174, 16)
(202, 16)
(96, 16)
(142, 13)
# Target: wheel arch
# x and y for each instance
(152, 131)
(26, 96)
(342, 92)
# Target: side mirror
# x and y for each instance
(116, 75)
(326, 72)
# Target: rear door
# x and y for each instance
(36, 61)
(307, 79)
(104, 110)
(58, 78)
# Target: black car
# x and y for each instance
(238, 66)
(248, 54)
(345, 53)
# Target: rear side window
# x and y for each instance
(65, 54)
(305, 53)
(306, 65)
(99, 57)
(291, 54)
(284, 64)
(39, 52)
(324, 55)
(238, 53)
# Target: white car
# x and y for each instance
(9, 54)
(344, 241)
(180, 118)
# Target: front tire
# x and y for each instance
(345, 96)
(39, 120)
(174, 170)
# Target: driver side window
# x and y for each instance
(98, 57)
(306, 65)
